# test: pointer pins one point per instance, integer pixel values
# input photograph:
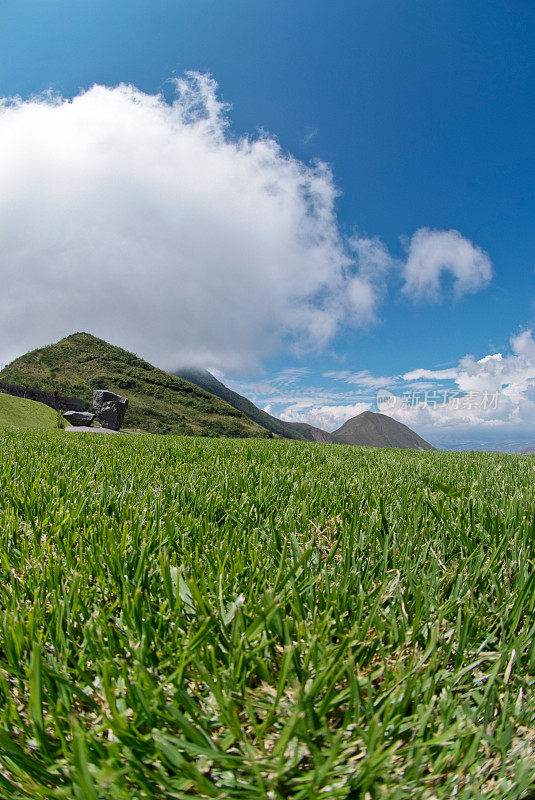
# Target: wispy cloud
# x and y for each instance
(309, 135)
(362, 378)
(290, 376)
(433, 374)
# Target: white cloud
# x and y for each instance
(497, 396)
(327, 417)
(513, 373)
(151, 225)
(434, 374)
(433, 253)
(481, 403)
(366, 289)
(362, 378)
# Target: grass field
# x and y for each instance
(18, 412)
(186, 618)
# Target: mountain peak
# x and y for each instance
(372, 429)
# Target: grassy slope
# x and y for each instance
(18, 412)
(244, 620)
(158, 402)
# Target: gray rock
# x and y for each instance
(79, 417)
(110, 408)
(94, 429)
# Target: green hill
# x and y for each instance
(18, 412)
(158, 402)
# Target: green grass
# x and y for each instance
(158, 402)
(17, 412)
(193, 618)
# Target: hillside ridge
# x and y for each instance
(367, 429)
(289, 430)
(190, 402)
(158, 401)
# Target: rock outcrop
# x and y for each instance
(78, 418)
(110, 408)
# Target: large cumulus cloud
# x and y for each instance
(149, 224)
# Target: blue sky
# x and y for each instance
(424, 113)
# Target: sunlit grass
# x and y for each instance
(244, 619)
(18, 412)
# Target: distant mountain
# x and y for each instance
(378, 430)
(158, 402)
(313, 434)
(367, 429)
(288, 430)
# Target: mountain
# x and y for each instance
(192, 402)
(367, 429)
(158, 402)
(288, 430)
(377, 430)
(313, 434)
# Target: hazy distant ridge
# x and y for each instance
(289, 430)
(367, 429)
